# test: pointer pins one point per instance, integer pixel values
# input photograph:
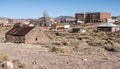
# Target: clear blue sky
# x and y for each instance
(35, 8)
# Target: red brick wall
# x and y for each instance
(104, 15)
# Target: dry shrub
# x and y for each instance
(112, 48)
(65, 43)
(75, 30)
(61, 33)
(56, 43)
(56, 49)
(19, 63)
(116, 40)
(109, 48)
(95, 43)
(22, 65)
(64, 50)
(75, 43)
(75, 48)
(101, 34)
(72, 37)
(79, 38)
(4, 56)
(58, 34)
(90, 43)
(85, 37)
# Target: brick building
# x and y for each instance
(80, 16)
(93, 17)
(27, 35)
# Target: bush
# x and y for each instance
(65, 43)
(18, 63)
(95, 43)
(75, 30)
(79, 38)
(4, 56)
(56, 43)
(54, 49)
(112, 48)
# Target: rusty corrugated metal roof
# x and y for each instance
(19, 31)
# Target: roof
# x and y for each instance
(92, 12)
(19, 31)
(107, 25)
(70, 19)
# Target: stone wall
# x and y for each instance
(37, 36)
(15, 39)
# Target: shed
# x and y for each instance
(108, 27)
(27, 35)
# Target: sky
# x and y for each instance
(35, 8)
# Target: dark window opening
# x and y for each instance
(36, 39)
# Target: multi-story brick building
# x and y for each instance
(80, 16)
(93, 17)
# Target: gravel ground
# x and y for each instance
(39, 57)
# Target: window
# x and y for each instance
(36, 39)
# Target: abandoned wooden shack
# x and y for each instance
(108, 27)
(27, 35)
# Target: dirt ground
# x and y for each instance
(73, 51)
(39, 57)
